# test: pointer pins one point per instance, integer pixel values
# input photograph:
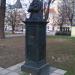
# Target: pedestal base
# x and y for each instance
(34, 70)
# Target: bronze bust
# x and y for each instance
(36, 10)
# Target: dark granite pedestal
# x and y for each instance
(35, 70)
(35, 47)
(47, 70)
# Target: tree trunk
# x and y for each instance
(2, 18)
(14, 21)
(13, 28)
(47, 11)
(61, 28)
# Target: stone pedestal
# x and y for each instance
(35, 40)
(35, 47)
(34, 70)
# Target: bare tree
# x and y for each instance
(69, 10)
(2, 17)
(46, 10)
(66, 12)
(13, 17)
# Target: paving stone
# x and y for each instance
(12, 73)
(1, 68)
(60, 71)
(20, 64)
(55, 74)
(15, 67)
(52, 69)
(16, 70)
(4, 71)
(12, 68)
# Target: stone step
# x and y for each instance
(16, 70)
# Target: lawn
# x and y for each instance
(11, 51)
(60, 52)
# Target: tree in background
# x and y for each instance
(11, 19)
(66, 12)
(2, 18)
(14, 19)
(46, 9)
(70, 7)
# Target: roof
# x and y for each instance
(53, 10)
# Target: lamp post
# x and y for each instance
(35, 52)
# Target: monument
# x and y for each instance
(35, 52)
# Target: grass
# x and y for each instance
(61, 37)
(61, 53)
(12, 51)
(25, 73)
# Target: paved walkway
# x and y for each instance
(16, 70)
